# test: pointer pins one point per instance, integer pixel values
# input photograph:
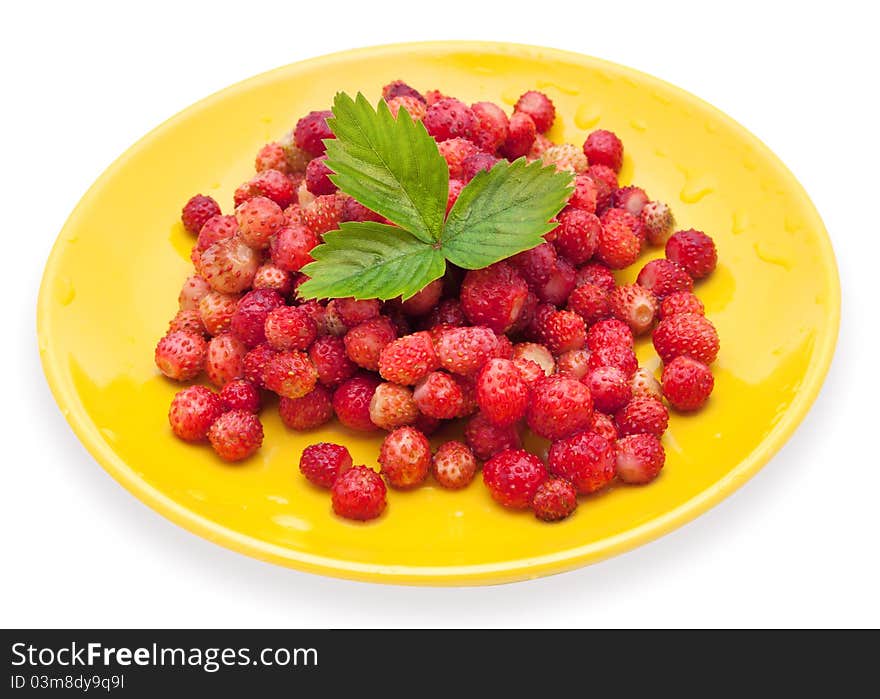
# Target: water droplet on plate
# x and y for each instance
(696, 188)
(662, 98)
(587, 116)
(740, 222)
(792, 223)
(543, 84)
(771, 257)
(511, 94)
(64, 291)
(638, 124)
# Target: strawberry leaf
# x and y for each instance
(504, 211)
(389, 165)
(369, 260)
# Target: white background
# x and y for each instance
(797, 546)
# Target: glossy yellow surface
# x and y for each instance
(111, 285)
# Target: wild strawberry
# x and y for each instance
(642, 415)
(574, 363)
(634, 305)
(590, 302)
(565, 157)
(365, 342)
(584, 195)
(604, 148)
(304, 200)
(560, 406)
(398, 88)
(501, 392)
(513, 477)
(192, 292)
(229, 265)
(618, 246)
(631, 199)
(521, 134)
(393, 406)
(236, 435)
(537, 353)
(241, 394)
(620, 356)
(198, 210)
(297, 158)
(586, 460)
(290, 374)
(693, 250)
(577, 236)
(663, 278)
(408, 359)
(539, 107)
(455, 187)
(454, 465)
(306, 412)
(454, 151)
(523, 324)
(415, 108)
(562, 331)
(536, 264)
(438, 395)
(604, 427)
(475, 163)
(354, 312)
(530, 372)
(318, 177)
(539, 147)
(490, 131)
(274, 185)
(644, 383)
(562, 281)
(270, 276)
(291, 247)
(639, 458)
(187, 321)
(468, 387)
(555, 499)
(405, 457)
(359, 494)
(493, 296)
(289, 327)
(258, 219)
(657, 221)
(353, 210)
(598, 274)
(215, 229)
(681, 302)
(487, 439)
(433, 96)
(255, 364)
(609, 332)
(610, 388)
(181, 355)
(323, 463)
(449, 118)
(311, 131)
(272, 157)
(686, 334)
(323, 214)
(193, 411)
(224, 360)
(249, 320)
(687, 383)
(424, 301)
(351, 401)
(331, 322)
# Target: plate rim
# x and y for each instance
(484, 574)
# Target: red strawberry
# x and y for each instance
(270, 276)
(631, 199)
(618, 246)
(501, 392)
(639, 458)
(398, 88)
(530, 372)
(216, 311)
(487, 439)
(318, 177)
(610, 388)
(289, 327)
(353, 210)
(574, 363)
(311, 131)
(449, 118)
(468, 387)
(365, 342)
(634, 305)
(559, 286)
(539, 107)
(687, 383)
(393, 406)
(224, 360)
(258, 219)
(464, 350)
(215, 229)
(323, 214)
(689, 334)
(521, 134)
(577, 236)
(537, 353)
(634, 223)
(291, 247)
(351, 401)
(606, 184)
(187, 321)
(478, 162)
(560, 406)
(358, 493)
(323, 463)
(598, 274)
(586, 460)
(255, 363)
(620, 356)
(424, 301)
(193, 411)
(644, 383)
(693, 250)
(417, 109)
(663, 278)
(306, 412)
(229, 265)
(609, 332)
(604, 148)
(433, 96)
(681, 302)
(408, 359)
(585, 193)
(657, 221)
(272, 184)
(192, 291)
(455, 151)
(642, 415)
(554, 500)
(562, 331)
(493, 296)
(492, 126)
(181, 355)
(290, 374)
(513, 477)
(604, 427)
(197, 211)
(454, 465)
(405, 457)
(248, 322)
(241, 394)
(331, 361)
(236, 435)
(590, 302)
(438, 395)
(455, 187)
(272, 156)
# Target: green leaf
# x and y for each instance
(389, 165)
(370, 260)
(504, 211)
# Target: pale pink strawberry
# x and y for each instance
(393, 406)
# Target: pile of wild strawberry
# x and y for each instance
(544, 339)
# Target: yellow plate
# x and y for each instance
(111, 284)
